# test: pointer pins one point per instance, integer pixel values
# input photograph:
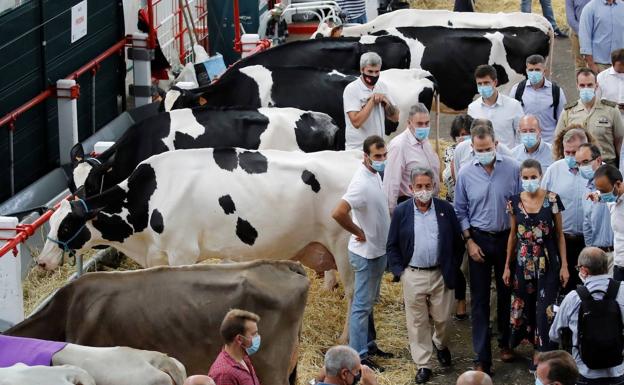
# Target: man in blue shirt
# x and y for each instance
(563, 177)
(342, 367)
(481, 194)
(597, 229)
(533, 144)
(573, 14)
(540, 97)
(601, 31)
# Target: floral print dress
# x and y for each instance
(536, 278)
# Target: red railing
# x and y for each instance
(24, 231)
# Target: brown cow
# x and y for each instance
(178, 311)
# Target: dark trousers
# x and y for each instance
(463, 6)
(494, 248)
(618, 273)
(600, 381)
(574, 245)
(460, 286)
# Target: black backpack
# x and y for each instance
(556, 95)
(600, 328)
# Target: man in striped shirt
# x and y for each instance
(355, 10)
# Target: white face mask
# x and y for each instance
(423, 196)
(582, 277)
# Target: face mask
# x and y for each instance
(530, 185)
(255, 345)
(378, 165)
(421, 133)
(485, 158)
(609, 197)
(586, 171)
(370, 80)
(466, 138)
(587, 94)
(535, 77)
(582, 277)
(356, 379)
(529, 139)
(571, 161)
(423, 196)
(485, 91)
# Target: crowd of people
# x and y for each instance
(534, 199)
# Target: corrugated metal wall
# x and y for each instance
(35, 51)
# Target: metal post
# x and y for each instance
(11, 298)
(141, 56)
(79, 265)
(93, 101)
(67, 93)
(11, 161)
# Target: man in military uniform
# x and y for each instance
(601, 118)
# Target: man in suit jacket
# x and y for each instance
(425, 248)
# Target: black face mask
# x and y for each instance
(357, 378)
(370, 80)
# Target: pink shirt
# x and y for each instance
(226, 371)
(404, 154)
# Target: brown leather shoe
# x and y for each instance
(481, 367)
(507, 355)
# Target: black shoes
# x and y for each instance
(380, 353)
(560, 34)
(444, 357)
(372, 364)
(423, 375)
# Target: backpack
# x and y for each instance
(556, 95)
(600, 328)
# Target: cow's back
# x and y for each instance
(178, 311)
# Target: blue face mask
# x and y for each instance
(485, 158)
(421, 133)
(529, 139)
(535, 77)
(538, 382)
(255, 345)
(587, 94)
(571, 161)
(485, 91)
(586, 171)
(378, 165)
(466, 138)
(609, 197)
(530, 185)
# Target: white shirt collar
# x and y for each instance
(499, 101)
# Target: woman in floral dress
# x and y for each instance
(536, 247)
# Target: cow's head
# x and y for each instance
(69, 233)
(87, 175)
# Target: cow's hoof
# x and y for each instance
(331, 281)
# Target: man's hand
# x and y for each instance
(475, 252)
(378, 98)
(368, 376)
(360, 236)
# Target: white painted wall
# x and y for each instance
(11, 297)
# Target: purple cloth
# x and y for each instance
(29, 351)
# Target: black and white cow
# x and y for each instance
(264, 128)
(451, 45)
(316, 90)
(183, 206)
(338, 54)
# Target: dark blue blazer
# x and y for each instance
(400, 245)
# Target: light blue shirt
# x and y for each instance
(481, 198)
(573, 12)
(425, 238)
(601, 29)
(567, 317)
(543, 154)
(539, 102)
(571, 189)
(597, 229)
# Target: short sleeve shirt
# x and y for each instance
(226, 371)
(355, 97)
(369, 208)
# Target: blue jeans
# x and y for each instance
(368, 274)
(547, 10)
(360, 19)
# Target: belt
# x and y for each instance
(573, 236)
(606, 249)
(493, 234)
(424, 268)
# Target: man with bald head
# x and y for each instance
(473, 377)
(199, 380)
(531, 144)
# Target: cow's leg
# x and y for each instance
(347, 277)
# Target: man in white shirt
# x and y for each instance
(609, 182)
(367, 103)
(410, 149)
(611, 80)
(367, 203)
(504, 112)
(533, 144)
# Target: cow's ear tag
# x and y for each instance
(76, 154)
